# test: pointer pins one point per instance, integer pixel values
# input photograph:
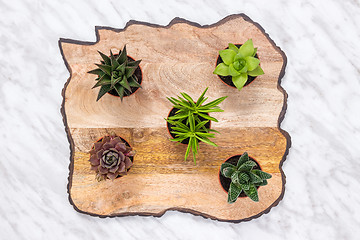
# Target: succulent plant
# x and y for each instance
(244, 178)
(110, 157)
(190, 119)
(116, 73)
(239, 63)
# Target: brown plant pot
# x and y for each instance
(170, 126)
(138, 74)
(225, 182)
(228, 79)
(126, 143)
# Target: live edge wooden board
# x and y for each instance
(176, 58)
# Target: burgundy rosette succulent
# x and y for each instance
(110, 157)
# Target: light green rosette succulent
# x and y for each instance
(239, 63)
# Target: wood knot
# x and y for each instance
(138, 133)
(126, 194)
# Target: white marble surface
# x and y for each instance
(322, 41)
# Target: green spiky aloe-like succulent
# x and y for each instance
(190, 120)
(116, 73)
(239, 63)
(244, 178)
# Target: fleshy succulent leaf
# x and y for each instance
(243, 178)
(243, 158)
(247, 166)
(125, 84)
(106, 59)
(227, 56)
(247, 49)
(232, 71)
(261, 174)
(105, 68)
(103, 90)
(252, 193)
(252, 63)
(221, 69)
(256, 72)
(122, 56)
(234, 193)
(233, 47)
(239, 81)
(97, 72)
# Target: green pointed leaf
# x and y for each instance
(222, 70)
(134, 64)
(214, 103)
(234, 192)
(255, 51)
(227, 169)
(207, 117)
(261, 174)
(129, 71)
(243, 178)
(255, 178)
(245, 186)
(263, 183)
(239, 81)
(114, 63)
(122, 57)
(243, 158)
(121, 68)
(227, 56)
(232, 71)
(233, 47)
(201, 98)
(102, 83)
(244, 69)
(247, 166)
(106, 59)
(247, 49)
(103, 90)
(238, 57)
(187, 97)
(96, 72)
(200, 125)
(133, 82)
(187, 150)
(252, 63)
(252, 193)
(191, 123)
(106, 69)
(206, 140)
(125, 83)
(235, 177)
(120, 91)
(256, 72)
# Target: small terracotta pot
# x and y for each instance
(168, 126)
(226, 181)
(229, 78)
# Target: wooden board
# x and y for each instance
(177, 57)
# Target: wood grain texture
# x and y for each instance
(178, 57)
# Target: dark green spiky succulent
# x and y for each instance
(244, 178)
(116, 73)
(239, 63)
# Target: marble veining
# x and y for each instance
(321, 40)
